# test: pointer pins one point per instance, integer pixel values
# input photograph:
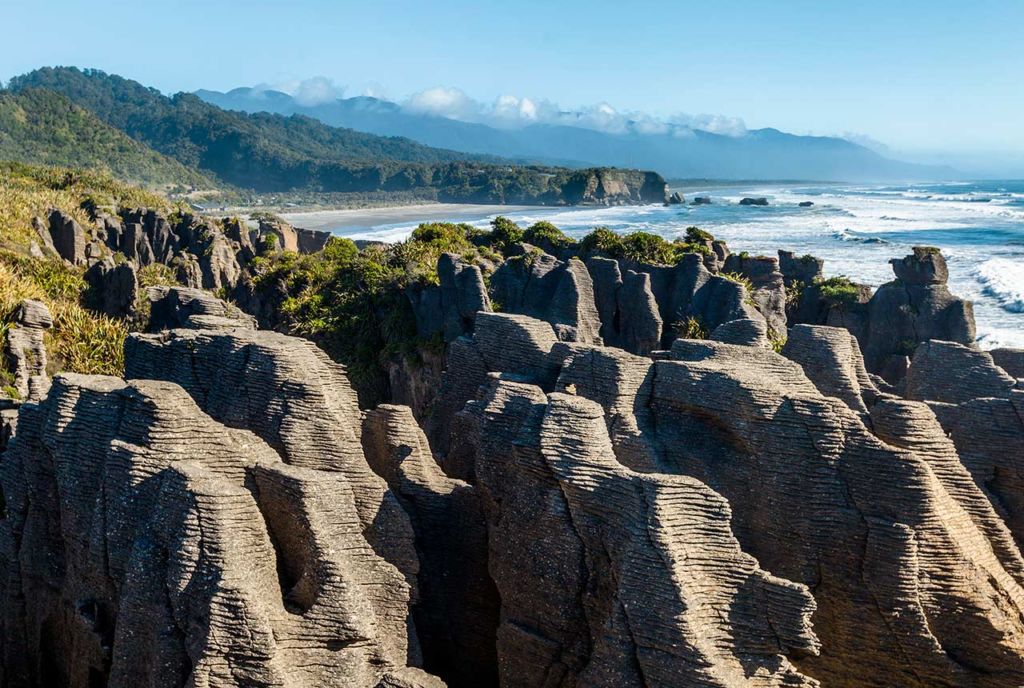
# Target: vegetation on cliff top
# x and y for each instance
(80, 341)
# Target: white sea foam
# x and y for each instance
(855, 229)
(1003, 280)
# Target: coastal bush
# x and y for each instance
(643, 247)
(505, 232)
(352, 302)
(696, 235)
(546, 235)
(601, 240)
(838, 291)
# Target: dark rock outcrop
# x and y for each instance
(113, 288)
(805, 270)
(25, 350)
(182, 307)
(561, 293)
(68, 237)
(663, 297)
(754, 201)
(914, 308)
(451, 307)
(769, 290)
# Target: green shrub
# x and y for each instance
(505, 232)
(691, 328)
(546, 234)
(838, 291)
(696, 235)
(602, 240)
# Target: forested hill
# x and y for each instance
(269, 153)
(42, 127)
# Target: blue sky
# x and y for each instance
(922, 77)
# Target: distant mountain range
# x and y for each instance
(682, 153)
(88, 118)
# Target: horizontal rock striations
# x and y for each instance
(288, 392)
(613, 578)
(146, 544)
(24, 351)
(457, 615)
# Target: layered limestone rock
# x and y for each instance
(613, 578)
(558, 292)
(25, 350)
(831, 359)
(288, 392)
(182, 307)
(954, 373)
(146, 544)
(915, 580)
(981, 407)
(457, 615)
(1010, 360)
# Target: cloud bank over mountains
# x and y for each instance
(514, 112)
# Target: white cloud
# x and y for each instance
(866, 141)
(510, 112)
(315, 91)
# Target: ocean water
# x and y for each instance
(978, 225)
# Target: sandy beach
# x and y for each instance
(354, 220)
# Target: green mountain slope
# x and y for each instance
(43, 127)
(270, 153)
(263, 152)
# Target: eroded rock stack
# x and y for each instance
(147, 544)
(592, 500)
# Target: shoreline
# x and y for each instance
(367, 218)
